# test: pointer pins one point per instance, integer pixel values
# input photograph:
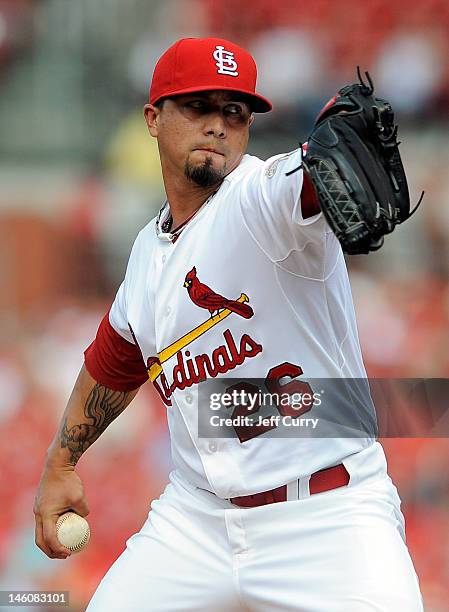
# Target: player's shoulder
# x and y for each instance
(248, 164)
(147, 233)
(145, 239)
(252, 166)
(282, 163)
(141, 252)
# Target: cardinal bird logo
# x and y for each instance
(204, 297)
(192, 369)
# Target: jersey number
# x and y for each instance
(273, 384)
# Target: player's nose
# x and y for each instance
(215, 125)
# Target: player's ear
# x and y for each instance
(151, 114)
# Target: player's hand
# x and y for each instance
(60, 489)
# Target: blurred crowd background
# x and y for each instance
(80, 176)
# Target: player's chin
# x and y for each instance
(214, 161)
(207, 172)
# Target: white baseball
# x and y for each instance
(73, 531)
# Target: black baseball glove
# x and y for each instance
(354, 164)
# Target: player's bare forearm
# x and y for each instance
(91, 409)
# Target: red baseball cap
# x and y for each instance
(205, 64)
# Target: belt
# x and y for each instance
(319, 482)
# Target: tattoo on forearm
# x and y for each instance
(102, 407)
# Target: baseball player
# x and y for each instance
(239, 276)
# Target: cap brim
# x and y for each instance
(259, 104)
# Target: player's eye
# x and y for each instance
(233, 109)
(194, 108)
(237, 112)
(196, 104)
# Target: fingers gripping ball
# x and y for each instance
(73, 531)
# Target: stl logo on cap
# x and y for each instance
(225, 61)
(206, 64)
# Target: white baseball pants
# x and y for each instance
(338, 551)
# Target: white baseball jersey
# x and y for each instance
(283, 298)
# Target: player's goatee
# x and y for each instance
(204, 175)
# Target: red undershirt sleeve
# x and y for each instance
(309, 199)
(113, 361)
